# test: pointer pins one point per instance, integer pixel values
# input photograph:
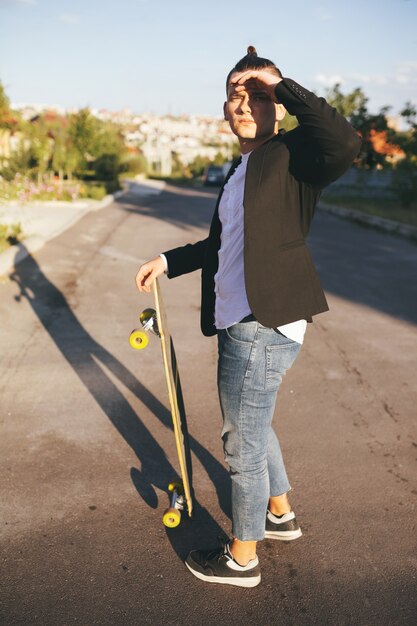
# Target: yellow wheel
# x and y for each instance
(138, 339)
(175, 485)
(171, 518)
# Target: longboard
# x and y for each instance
(155, 321)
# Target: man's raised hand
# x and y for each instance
(148, 272)
(256, 79)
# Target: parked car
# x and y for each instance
(213, 175)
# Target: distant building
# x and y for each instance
(157, 137)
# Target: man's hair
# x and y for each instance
(252, 62)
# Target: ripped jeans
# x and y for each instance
(252, 362)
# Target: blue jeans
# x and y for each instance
(252, 362)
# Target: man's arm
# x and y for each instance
(180, 261)
(323, 147)
(185, 259)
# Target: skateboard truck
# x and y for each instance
(149, 321)
(172, 516)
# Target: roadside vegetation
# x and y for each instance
(59, 157)
(10, 234)
(60, 151)
(386, 178)
(388, 208)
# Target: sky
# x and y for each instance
(172, 56)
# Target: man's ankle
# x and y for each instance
(279, 505)
(242, 551)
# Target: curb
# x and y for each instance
(385, 225)
(13, 255)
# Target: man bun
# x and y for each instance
(252, 62)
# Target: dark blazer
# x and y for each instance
(284, 178)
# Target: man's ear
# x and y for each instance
(280, 112)
(225, 114)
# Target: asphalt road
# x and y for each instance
(87, 448)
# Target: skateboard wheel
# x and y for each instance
(138, 339)
(176, 486)
(171, 518)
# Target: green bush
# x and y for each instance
(97, 192)
(133, 164)
(93, 191)
(10, 234)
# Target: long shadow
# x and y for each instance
(87, 358)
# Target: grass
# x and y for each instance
(10, 234)
(388, 208)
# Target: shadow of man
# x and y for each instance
(86, 357)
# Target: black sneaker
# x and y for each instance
(219, 566)
(284, 527)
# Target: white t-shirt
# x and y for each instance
(231, 300)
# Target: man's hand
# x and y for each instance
(148, 272)
(256, 79)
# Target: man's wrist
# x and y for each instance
(163, 257)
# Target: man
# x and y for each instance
(259, 289)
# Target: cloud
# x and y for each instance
(69, 19)
(328, 80)
(402, 74)
(369, 79)
(405, 73)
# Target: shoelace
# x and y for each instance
(223, 543)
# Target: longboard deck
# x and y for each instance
(176, 400)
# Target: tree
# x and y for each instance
(109, 152)
(178, 167)
(59, 152)
(132, 163)
(41, 146)
(354, 107)
(346, 104)
(405, 172)
(198, 165)
(6, 118)
(83, 138)
(219, 159)
(408, 140)
(9, 123)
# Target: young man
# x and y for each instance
(259, 289)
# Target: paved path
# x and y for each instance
(86, 446)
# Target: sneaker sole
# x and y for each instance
(288, 535)
(237, 582)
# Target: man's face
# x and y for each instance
(251, 113)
